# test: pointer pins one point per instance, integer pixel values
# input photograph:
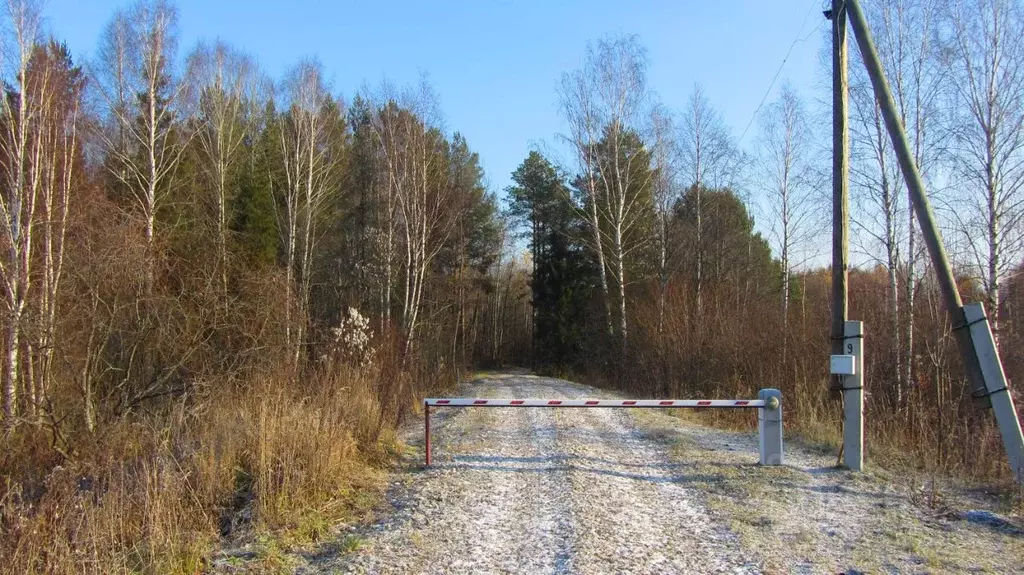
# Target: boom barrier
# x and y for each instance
(768, 405)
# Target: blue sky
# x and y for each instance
(495, 64)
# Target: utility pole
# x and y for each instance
(970, 326)
(840, 178)
(846, 336)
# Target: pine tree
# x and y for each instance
(563, 275)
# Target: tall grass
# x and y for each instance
(158, 493)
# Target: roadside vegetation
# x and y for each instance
(223, 292)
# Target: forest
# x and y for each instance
(224, 292)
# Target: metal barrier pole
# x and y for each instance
(426, 430)
(769, 408)
(769, 426)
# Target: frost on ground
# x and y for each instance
(535, 490)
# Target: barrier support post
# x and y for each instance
(996, 386)
(426, 430)
(769, 426)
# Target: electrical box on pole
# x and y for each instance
(847, 362)
(840, 178)
(843, 365)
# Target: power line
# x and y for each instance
(789, 52)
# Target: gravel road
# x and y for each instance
(533, 490)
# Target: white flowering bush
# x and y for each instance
(351, 341)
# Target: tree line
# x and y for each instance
(669, 258)
(174, 220)
(201, 264)
(222, 292)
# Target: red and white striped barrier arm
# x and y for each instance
(768, 404)
(480, 402)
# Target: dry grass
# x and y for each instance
(732, 349)
(157, 494)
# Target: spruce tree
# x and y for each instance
(253, 221)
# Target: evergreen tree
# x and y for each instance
(563, 275)
(734, 255)
(253, 222)
(361, 225)
(477, 229)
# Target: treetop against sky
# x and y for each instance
(495, 65)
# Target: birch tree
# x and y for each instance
(626, 211)
(57, 87)
(666, 193)
(709, 159)
(385, 126)
(142, 139)
(21, 183)
(986, 61)
(311, 133)
(905, 31)
(417, 191)
(605, 104)
(39, 117)
(228, 93)
(877, 181)
(578, 107)
(784, 148)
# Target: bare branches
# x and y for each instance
(39, 117)
(227, 94)
(986, 59)
(789, 185)
(311, 133)
(709, 158)
(142, 96)
(709, 155)
(18, 206)
(416, 189)
(605, 104)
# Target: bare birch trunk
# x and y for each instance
(18, 208)
(595, 226)
(986, 62)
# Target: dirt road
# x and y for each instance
(532, 490)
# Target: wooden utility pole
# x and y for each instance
(970, 325)
(847, 336)
(840, 179)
